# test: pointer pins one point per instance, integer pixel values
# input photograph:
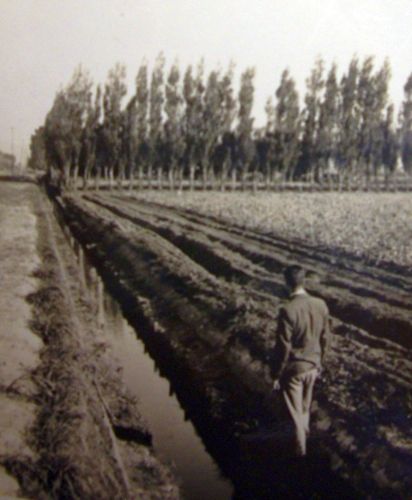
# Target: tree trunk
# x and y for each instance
(348, 174)
(106, 175)
(171, 175)
(192, 177)
(255, 182)
(86, 176)
(150, 176)
(223, 178)
(97, 179)
(267, 181)
(312, 179)
(160, 178)
(66, 175)
(141, 178)
(111, 178)
(339, 179)
(282, 185)
(204, 175)
(180, 177)
(75, 176)
(120, 176)
(387, 177)
(367, 176)
(234, 179)
(244, 179)
(131, 176)
(330, 181)
(216, 182)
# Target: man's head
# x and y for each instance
(294, 277)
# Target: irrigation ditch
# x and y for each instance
(172, 434)
(88, 439)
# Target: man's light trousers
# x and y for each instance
(297, 392)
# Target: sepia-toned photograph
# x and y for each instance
(205, 249)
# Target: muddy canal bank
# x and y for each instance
(68, 428)
(174, 436)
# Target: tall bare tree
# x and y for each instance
(173, 128)
(90, 138)
(311, 114)
(390, 144)
(210, 126)
(78, 95)
(372, 101)
(267, 146)
(58, 141)
(193, 93)
(405, 125)
(246, 151)
(189, 129)
(286, 127)
(114, 120)
(349, 123)
(156, 100)
(129, 137)
(64, 126)
(142, 130)
(37, 158)
(328, 124)
(225, 153)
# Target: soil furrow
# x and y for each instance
(354, 275)
(370, 314)
(175, 216)
(393, 276)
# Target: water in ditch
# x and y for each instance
(175, 439)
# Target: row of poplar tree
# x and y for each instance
(195, 129)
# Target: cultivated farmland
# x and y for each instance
(202, 278)
(370, 225)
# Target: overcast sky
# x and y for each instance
(42, 41)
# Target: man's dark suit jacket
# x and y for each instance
(302, 336)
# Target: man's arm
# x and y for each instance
(283, 345)
(325, 335)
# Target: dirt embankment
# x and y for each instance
(208, 294)
(20, 348)
(83, 434)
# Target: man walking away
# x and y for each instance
(302, 339)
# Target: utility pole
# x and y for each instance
(12, 140)
(21, 156)
(12, 147)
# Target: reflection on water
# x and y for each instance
(174, 437)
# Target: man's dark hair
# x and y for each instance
(294, 276)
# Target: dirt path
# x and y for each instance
(19, 353)
(227, 282)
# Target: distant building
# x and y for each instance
(7, 163)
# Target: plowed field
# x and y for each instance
(209, 292)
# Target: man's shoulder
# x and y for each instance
(305, 301)
(318, 301)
